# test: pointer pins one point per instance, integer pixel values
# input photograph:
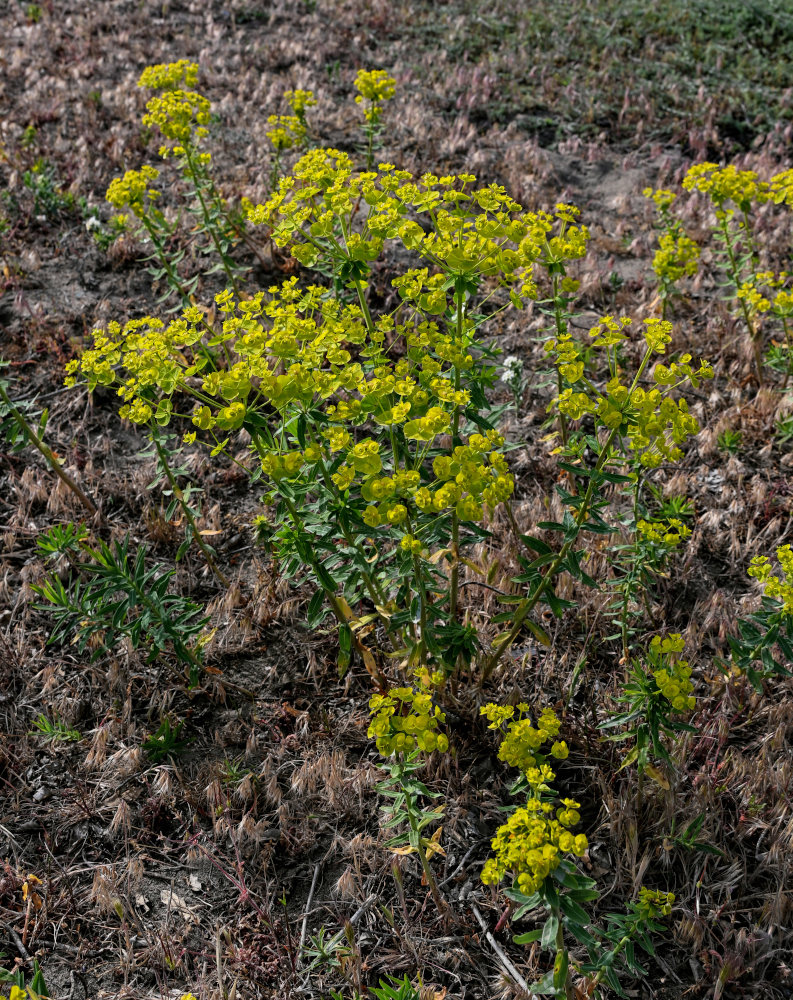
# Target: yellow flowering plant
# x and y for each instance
(374, 86)
(373, 434)
(735, 195)
(182, 117)
(768, 631)
(534, 849)
(677, 255)
(659, 690)
(530, 848)
(376, 435)
(404, 725)
(289, 131)
(768, 296)
(640, 422)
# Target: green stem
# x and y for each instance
(620, 947)
(48, 454)
(163, 258)
(736, 280)
(526, 606)
(561, 329)
(628, 587)
(375, 592)
(210, 223)
(454, 580)
(333, 600)
(276, 169)
(524, 609)
(367, 316)
(423, 611)
(789, 341)
(146, 601)
(177, 492)
(412, 820)
(561, 950)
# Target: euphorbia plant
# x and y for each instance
(405, 727)
(636, 428)
(374, 434)
(534, 852)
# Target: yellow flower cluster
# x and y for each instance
(677, 256)
(755, 301)
(531, 843)
(742, 187)
(132, 190)
(17, 993)
(669, 532)
(472, 233)
(775, 299)
(780, 587)
(181, 116)
(663, 198)
(521, 744)
(654, 423)
(374, 86)
(291, 349)
(781, 188)
(299, 100)
(285, 131)
(408, 543)
(169, 76)
(654, 903)
(404, 720)
(723, 184)
(674, 677)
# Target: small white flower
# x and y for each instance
(92, 223)
(513, 369)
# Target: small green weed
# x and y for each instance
(730, 441)
(164, 742)
(55, 731)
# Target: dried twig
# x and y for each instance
(508, 966)
(305, 916)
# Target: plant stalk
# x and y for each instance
(177, 492)
(48, 454)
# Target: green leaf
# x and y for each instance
(573, 911)
(548, 939)
(528, 938)
(316, 612)
(560, 968)
(539, 633)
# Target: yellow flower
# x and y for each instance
(133, 189)
(169, 76)
(181, 115)
(299, 100)
(662, 197)
(723, 184)
(285, 131)
(677, 257)
(374, 86)
(405, 719)
(778, 586)
(672, 675)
